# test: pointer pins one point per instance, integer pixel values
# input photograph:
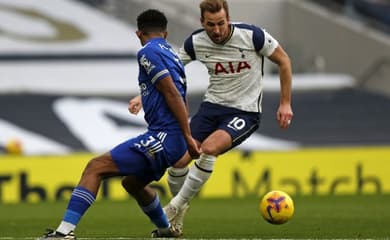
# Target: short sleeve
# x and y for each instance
(152, 64)
(187, 52)
(269, 46)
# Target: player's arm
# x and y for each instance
(183, 56)
(179, 110)
(186, 52)
(284, 113)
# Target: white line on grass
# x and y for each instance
(129, 238)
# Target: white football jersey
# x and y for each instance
(235, 67)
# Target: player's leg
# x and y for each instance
(198, 174)
(83, 196)
(233, 129)
(149, 202)
(134, 163)
(176, 177)
(178, 173)
(234, 126)
(143, 168)
(218, 142)
(202, 125)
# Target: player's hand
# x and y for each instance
(284, 115)
(135, 105)
(193, 149)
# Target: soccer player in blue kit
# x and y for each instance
(144, 158)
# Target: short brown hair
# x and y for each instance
(213, 6)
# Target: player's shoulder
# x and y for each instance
(148, 49)
(245, 32)
(198, 31)
(198, 35)
(247, 27)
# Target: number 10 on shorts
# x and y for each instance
(237, 123)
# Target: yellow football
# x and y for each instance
(277, 207)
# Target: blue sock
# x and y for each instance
(156, 214)
(80, 201)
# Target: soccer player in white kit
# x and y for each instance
(231, 110)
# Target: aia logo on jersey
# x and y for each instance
(231, 67)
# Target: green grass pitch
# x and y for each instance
(325, 217)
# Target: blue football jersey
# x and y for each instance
(158, 60)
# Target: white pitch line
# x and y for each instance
(130, 238)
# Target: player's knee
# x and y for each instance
(210, 149)
(183, 161)
(98, 166)
(127, 184)
(91, 167)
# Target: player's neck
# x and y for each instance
(152, 35)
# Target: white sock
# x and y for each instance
(176, 177)
(65, 227)
(199, 173)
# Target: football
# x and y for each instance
(277, 207)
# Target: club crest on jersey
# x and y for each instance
(242, 52)
(145, 63)
(231, 67)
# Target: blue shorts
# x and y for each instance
(149, 155)
(211, 117)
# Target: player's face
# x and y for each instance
(217, 25)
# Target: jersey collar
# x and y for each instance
(230, 35)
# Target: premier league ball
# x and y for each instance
(277, 207)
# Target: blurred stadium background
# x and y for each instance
(68, 69)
